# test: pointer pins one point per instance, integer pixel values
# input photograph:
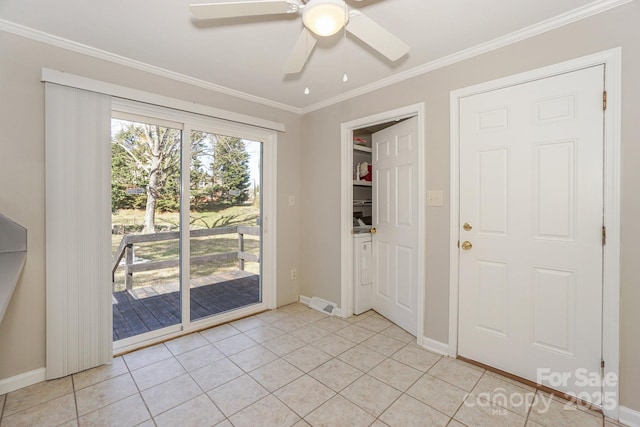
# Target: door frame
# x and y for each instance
(612, 60)
(187, 121)
(346, 205)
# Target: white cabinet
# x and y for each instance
(362, 273)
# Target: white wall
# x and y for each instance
(22, 332)
(321, 159)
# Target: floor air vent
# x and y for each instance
(323, 306)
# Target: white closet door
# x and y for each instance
(395, 217)
(78, 240)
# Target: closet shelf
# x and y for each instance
(362, 183)
(362, 148)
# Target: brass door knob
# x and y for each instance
(466, 245)
(467, 226)
(373, 230)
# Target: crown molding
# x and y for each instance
(578, 14)
(40, 36)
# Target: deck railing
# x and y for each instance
(126, 251)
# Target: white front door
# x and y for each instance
(395, 218)
(531, 208)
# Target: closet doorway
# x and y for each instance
(398, 189)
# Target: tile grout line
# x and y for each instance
(75, 398)
(138, 388)
(4, 403)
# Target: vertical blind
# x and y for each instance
(78, 236)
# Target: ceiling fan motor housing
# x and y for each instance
(325, 17)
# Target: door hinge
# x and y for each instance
(604, 235)
(458, 243)
(604, 100)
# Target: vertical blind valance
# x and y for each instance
(78, 249)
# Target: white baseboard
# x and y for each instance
(8, 385)
(435, 346)
(629, 417)
(305, 300)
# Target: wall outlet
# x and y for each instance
(294, 274)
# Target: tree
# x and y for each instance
(122, 177)
(230, 170)
(154, 150)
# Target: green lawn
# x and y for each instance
(133, 221)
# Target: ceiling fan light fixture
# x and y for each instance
(325, 17)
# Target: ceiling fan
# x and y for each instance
(321, 18)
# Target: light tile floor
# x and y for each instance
(290, 366)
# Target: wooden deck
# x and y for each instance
(149, 308)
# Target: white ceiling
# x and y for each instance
(248, 55)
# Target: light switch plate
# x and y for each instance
(435, 198)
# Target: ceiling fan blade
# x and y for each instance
(301, 51)
(376, 36)
(243, 8)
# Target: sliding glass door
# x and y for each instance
(187, 225)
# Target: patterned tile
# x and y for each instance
(157, 373)
(417, 358)
(170, 394)
(92, 376)
(304, 395)
(407, 412)
(362, 358)
(268, 411)
(128, 411)
(252, 373)
(52, 412)
(146, 356)
(396, 374)
(371, 395)
(36, 394)
(215, 374)
(438, 394)
(199, 411)
(102, 394)
(194, 359)
(456, 373)
(186, 343)
(336, 374)
(253, 358)
(339, 412)
(276, 374)
(307, 358)
(237, 394)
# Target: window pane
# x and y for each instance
(225, 223)
(145, 202)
